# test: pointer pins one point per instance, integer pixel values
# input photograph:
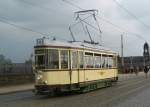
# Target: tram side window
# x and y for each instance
(74, 59)
(64, 59)
(97, 61)
(81, 60)
(89, 60)
(110, 61)
(53, 59)
(104, 61)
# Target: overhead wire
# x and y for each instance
(104, 19)
(38, 6)
(123, 30)
(29, 3)
(131, 14)
(109, 22)
(83, 20)
(73, 4)
(73, 24)
(4, 20)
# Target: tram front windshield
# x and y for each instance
(40, 61)
(48, 60)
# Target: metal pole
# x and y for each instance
(122, 55)
(131, 64)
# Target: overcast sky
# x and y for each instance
(53, 17)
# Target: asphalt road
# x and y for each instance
(128, 92)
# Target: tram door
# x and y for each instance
(74, 68)
(81, 70)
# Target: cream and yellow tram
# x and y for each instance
(73, 66)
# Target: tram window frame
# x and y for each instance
(46, 58)
(53, 64)
(66, 66)
(81, 59)
(42, 64)
(74, 59)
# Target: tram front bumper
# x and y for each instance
(45, 89)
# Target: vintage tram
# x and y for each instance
(73, 66)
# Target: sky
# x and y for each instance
(53, 17)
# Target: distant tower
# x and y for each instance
(146, 54)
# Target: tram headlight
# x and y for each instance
(45, 82)
(39, 77)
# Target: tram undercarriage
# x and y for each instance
(77, 87)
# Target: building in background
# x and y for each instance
(132, 64)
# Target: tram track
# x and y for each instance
(104, 98)
(118, 86)
(98, 98)
(118, 93)
(134, 90)
(100, 94)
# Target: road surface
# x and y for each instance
(129, 92)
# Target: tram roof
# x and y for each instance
(45, 42)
